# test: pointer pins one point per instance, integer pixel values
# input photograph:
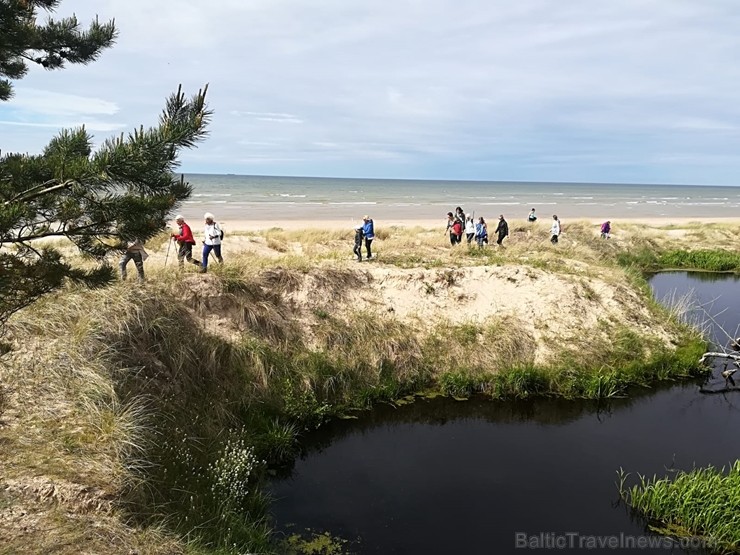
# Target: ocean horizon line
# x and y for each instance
(456, 180)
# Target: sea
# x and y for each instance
(268, 198)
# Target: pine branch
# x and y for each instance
(23, 198)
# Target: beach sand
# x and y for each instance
(292, 225)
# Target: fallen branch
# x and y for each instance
(731, 356)
(715, 391)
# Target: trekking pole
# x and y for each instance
(169, 244)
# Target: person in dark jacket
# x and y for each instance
(185, 242)
(358, 243)
(460, 214)
(502, 229)
(368, 231)
(448, 229)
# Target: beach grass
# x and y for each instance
(170, 400)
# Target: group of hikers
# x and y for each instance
(458, 223)
(212, 237)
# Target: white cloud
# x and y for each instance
(89, 125)
(468, 87)
(52, 103)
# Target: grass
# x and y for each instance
(171, 400)
(704, 503)
(709, 260)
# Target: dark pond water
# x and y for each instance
(447, 477)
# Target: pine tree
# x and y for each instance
(99, 200)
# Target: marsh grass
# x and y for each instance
(710, 260)
(704, 502)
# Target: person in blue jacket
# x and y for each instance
(368, 231)
(481, 232)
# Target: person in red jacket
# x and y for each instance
(185, 242)
(457, 229)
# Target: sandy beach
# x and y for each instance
(299, 224)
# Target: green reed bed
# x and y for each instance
(704, 502)
(709, 260)
(650, 259)
(578, 381)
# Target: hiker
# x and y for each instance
(469, 228)
(606, 228)
(554, 229)
(358, 243)
(460, 214)
(185, 242)
(134, 251)
(532, 216)
(481, 232)
(457, 229)
(448, 229)
(212, 241)
(502, 229)
(368, 231)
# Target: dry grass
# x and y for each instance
(133, 387)
(425, 247)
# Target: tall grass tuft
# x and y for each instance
(704, 502)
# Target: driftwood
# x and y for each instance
(731, 356)
(726, 374)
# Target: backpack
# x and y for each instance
(221, 232)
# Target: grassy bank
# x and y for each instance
(159, 408)
(703, 503)
(187, 421)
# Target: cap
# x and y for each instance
(208, 216)
(179, 217)
(366, 217)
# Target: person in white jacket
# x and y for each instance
(554, 229)
(212, 241)
(469, 228)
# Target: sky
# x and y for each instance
(635, 91)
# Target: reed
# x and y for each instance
(710, 260)
(703, 502)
